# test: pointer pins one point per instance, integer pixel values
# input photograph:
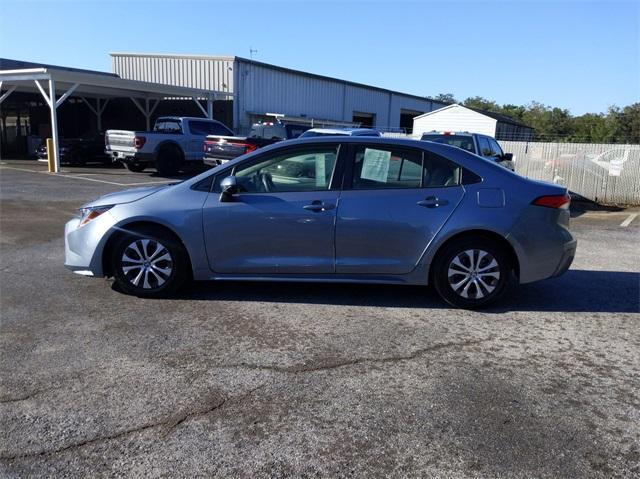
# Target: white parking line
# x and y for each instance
(629, 219)
(57, 175)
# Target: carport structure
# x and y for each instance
(96, 89)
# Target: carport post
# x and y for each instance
(54, 124)
(210, 107)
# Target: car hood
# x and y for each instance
(126, 196)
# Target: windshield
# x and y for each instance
(461, 141)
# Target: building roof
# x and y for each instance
(8, 64)
(490, 114)
(276, 67)
(88, 82)
(499, 117)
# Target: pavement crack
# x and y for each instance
(170, 423)
(301, 369)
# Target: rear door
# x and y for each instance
(393, 202)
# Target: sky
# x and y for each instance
(579, 55)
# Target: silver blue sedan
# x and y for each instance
(334, 209)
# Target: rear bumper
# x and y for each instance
(543, 243)
(129, 156)
(567, 258)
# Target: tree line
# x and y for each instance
(618, 125)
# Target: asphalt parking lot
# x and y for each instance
(308, 380)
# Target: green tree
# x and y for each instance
(481, 103)
(445, 98)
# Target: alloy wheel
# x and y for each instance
(473, 274)
(146, 263)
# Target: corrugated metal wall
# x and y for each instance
(605, 173)
(266, 90)
(262, 89)
(195, 72)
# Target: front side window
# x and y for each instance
(495, 148)
(483, 144)
(299, 170)
(378, 167)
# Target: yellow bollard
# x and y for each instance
(50, 156)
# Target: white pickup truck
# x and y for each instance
(174, 142)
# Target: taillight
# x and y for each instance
(554, 201)
(251, 148)
(139, 141)
(206, 145)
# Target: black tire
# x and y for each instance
(163, 263)
(135, 166)
(168, 161)
(464, 268)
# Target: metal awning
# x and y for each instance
(56, 85)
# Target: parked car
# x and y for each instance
(345, 209)
(482, 145)
(78, 151)
(173, 143)
(220, 149)
(340, 132)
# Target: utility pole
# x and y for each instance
(251, 52)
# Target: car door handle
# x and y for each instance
(432, 202)
(318, 205)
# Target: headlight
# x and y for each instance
(92, 212)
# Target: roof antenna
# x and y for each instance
(251, 52)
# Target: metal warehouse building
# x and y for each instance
(259, 89)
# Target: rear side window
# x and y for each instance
(440, 172)
(380, 167)
(461, 141)
(168, 126)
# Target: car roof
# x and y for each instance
(450, 133)
(343, 131)
(181, 118)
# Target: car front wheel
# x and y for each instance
(472, 273)
(149, 264)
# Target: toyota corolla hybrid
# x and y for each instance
(334, 209)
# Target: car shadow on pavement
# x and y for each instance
(575, 291)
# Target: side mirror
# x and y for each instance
(507, 157)
(229, 187)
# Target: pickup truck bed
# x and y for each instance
(173, 143)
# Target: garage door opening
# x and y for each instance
(406, 119)
(366, 120)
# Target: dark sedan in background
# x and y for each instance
(78, 151)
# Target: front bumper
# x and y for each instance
(83, 246)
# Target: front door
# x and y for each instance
(397, 201)
(283, 218)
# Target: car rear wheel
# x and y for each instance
(149, 263)
(472, 273)
(135, 166)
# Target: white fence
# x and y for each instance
(605, 173)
